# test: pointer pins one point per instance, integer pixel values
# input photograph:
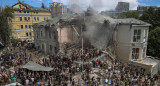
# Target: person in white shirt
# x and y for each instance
(27, 82)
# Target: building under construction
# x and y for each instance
(123, 39)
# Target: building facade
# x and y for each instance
(122, 7)
(132, 36)
(24, 18)
(58, 33)
(141, 9)
(46, 38)
(57, 9)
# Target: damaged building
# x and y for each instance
(122, 39)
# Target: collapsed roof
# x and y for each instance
(99, 29)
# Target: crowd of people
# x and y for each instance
(76, 69)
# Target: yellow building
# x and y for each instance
(24, 17)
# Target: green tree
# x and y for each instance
(6, 15)
(152, 16)
(42, 5)
(129, 14)
(154, 43)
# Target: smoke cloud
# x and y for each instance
(99, 5)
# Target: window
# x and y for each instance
(19, 11)
(26, 33)
(21, 26)
(50, 47)
(55, 48)
(137, 35)
(135, 53)
(20, 18)
(27, 11)
(25, 18)
(41, 34)
(37, 35)
(55, 37)
(37, 12)
(26, 26)
(30, 34)
(28, 18)
(29, 26)
(37, 18)
(34, 18)
(144, 52)
(24, 11)
(49, 34)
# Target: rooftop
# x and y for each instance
(131, 21)
(29, 7)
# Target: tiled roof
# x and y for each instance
(64, 17)
(131, 21)
(29, 7)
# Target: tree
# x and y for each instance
(42, 5)
(152, 16)
(154, 43)
(129, 14)
(6, 15)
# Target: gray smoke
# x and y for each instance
(99, 30)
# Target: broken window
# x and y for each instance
(50, 35)
(50, 47)
(137, 35)
(41, 33)
(135, 53)
(55, 48)
(37, 35)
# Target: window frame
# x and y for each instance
(137, 35)
(21, 26)
(135, 53)
(26, 33)
(26, 26)
(34, 18)
(20, 19)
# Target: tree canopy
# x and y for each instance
(5, 30)
(154, 43)
(129, 14)
(152, 16)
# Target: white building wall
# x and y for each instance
(125, 42)
(143, 43)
